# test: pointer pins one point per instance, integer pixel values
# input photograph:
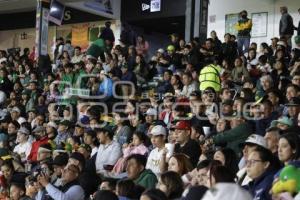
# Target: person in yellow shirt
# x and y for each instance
(244, 27)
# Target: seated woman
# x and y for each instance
(228, 159)
(180, 164)
(288, 148)
(136, 147)
(171, 184)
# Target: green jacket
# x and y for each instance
(147, 179)
(66, 78)
(234, 137)
(83, 81)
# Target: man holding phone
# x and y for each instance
(71, 190)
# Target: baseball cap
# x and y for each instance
(16, 109)
(161, 50)
(182, 125)
(275, 38)
(158, 130)
(151, 111)
(226, 191)
(24, 131)
(282, 120)
(281, 43)
(21, 120)
(52, 124)
(256, 139)
(38, 129)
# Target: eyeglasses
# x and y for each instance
(252, 162)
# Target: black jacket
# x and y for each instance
(191, 149)
(286, 26)
(298, 29)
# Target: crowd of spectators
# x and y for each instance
(212, 120)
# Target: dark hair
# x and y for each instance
(267, 156)
(140, 135)
(203, 164)
(105, 194)
(248, 94)
(180, 84)
(155, 194)
(169, 72)
(294, 142)
(140, 159)
(221, 174)
(174, 184)
(263, 59)
(231, 161)
(198, 128)
(16, 124)
(112, 183)
(124, 118)
(184, 163)
(9, 164)
(126, 188)
(78, 47)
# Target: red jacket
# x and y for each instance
(35, 147)
(163, 114)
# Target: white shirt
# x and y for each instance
(107, 155)
(153, 161)
(94, 151)
(23, 150)
(77, 59)
(188, 89)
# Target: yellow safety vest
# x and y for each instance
(210, 77)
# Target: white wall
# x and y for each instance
(12, 38)
(220, 8)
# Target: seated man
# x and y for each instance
(71, 190)
(137, 172)
(109, 151)
(185, 144)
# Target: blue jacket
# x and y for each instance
(165, 87)
(106, 87)
(260, 187)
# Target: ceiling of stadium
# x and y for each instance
(13, 6)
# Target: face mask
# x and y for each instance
(244, 16)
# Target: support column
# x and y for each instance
(188, 20)
(42, 24)
(196, 17)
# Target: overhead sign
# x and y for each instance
(151, 6)
(155, 6)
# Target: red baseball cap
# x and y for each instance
(183, 125)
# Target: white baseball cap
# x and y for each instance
(227, 191)
(257, 139)
(151, 111)
(52, 124)
(161, 50)
(158, 130)
(16, 109)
